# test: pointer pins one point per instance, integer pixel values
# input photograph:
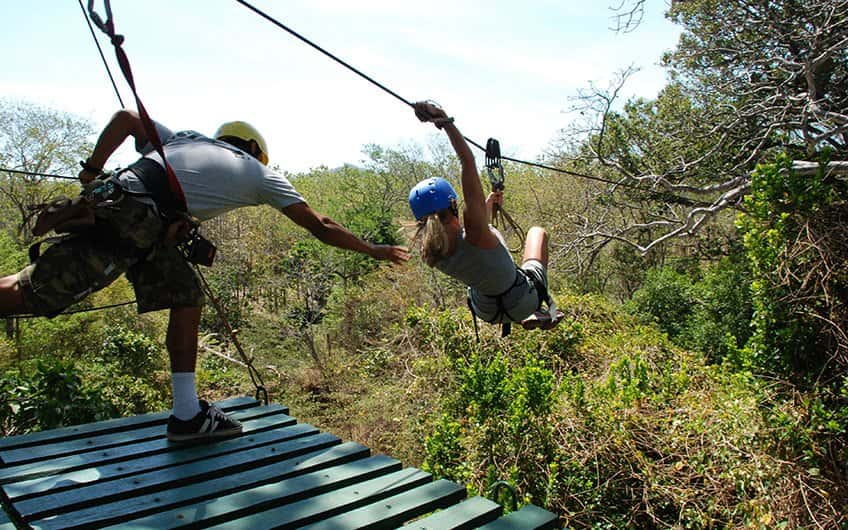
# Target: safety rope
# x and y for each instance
(108, 27)
(255, 376)
(100, 51)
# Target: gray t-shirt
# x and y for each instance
(489, 273)
(215, 176)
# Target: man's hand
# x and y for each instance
(396, 254)
(495, 197)
(87, 176)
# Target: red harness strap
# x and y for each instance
(108, 28)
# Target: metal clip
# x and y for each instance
(494, 167)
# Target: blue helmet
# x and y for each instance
(430, 196)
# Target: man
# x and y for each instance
(133, 232)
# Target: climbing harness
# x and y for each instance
(506, 326)
(500, 217)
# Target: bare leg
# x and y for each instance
(182, 348)
(11, 296)
(182, 338)
(536, 245)
(536, 248)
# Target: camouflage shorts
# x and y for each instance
(125, 240)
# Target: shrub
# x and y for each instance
(54, 395)
(133, 353)
(666, 299)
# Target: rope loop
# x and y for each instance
(495, 493)
(106, 27)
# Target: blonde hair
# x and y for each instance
(431, 237)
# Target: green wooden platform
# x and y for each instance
(123, 473)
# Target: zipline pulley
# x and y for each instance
(500, 217)
(494, 167)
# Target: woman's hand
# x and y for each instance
(495, 197)
(427, 111)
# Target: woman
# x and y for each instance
(474, 252)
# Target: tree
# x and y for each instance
(39, 140)
(749, 79)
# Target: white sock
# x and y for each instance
(186, 405)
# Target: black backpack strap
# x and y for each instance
(155, 181)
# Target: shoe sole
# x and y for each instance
(181, 438)
(532, 324)
(544, 324)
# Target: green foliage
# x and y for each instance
(720, 321)
(665, 299)
(53, 395)
(710, 313)
(131, 352)
(795, 314)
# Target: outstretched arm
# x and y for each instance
(475, 214)
(332, 233)
(123, 124)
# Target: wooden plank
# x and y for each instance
(529, 517)
(466, 515)
(5, 521)
(153, 503)
(170, 477)
(127, 452)
(182, 454)
(296, 514)
(283, 492)
(114, 425)
(101, 441)
(394, 511)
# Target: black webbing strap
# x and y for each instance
(506, 327)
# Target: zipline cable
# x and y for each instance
(75, 311)
(282, 26)
(100, 50)
(36, 174)
(409, 103)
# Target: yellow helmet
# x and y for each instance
(247, 132)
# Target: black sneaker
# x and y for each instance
(211, 422)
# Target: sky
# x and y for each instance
(503, 69)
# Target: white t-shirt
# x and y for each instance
(217, 177)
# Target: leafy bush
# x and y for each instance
(720, 321)
(666, 299)
(625, 430)
(796, 235)
(54, 395)
(133, 353)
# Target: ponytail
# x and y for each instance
(434, 240)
